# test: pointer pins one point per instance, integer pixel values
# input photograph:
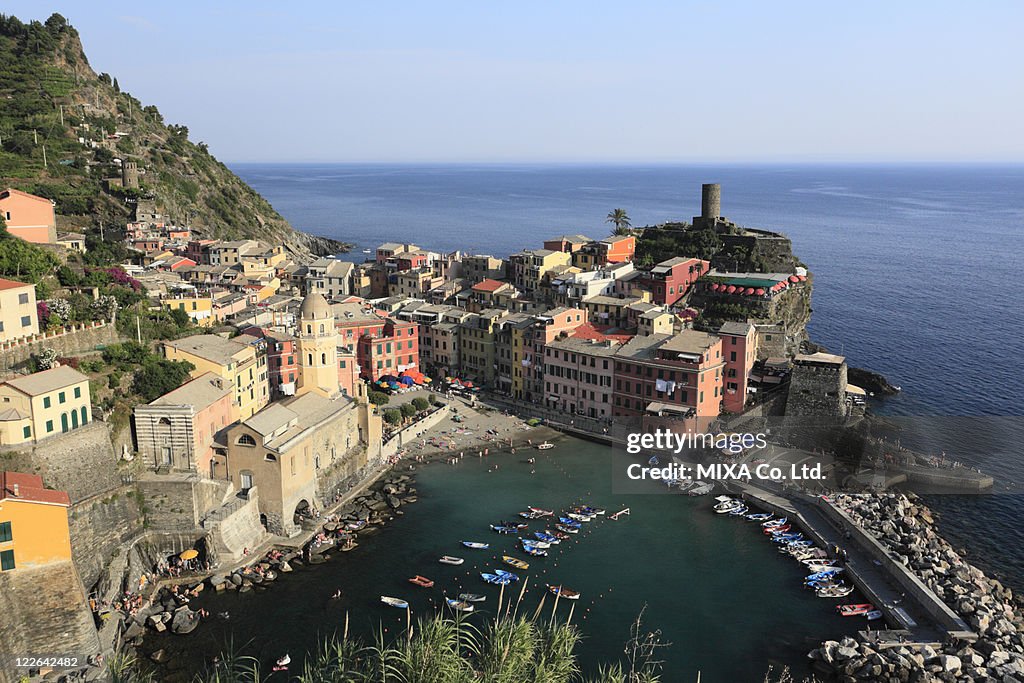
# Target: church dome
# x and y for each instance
(315, 307)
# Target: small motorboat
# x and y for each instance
(540, 512)
(776, 529)
(566, 529)
(701, 488)
(822, 576)
(874, 614)
(504, 529)
(569, 521)
(472, 597)
(560, 535)
(775, 522)
(527, 543)
(855, 610)
(367, 251)
(546, 537)
(588, 510)
(282, 663)
(741, 510)
(564, 593)
(839, 590)
(507, 574)
(514, 525)
(495, 579)
(448, 559)
(394, 602)
(653, 460)
(820, 567)
(476, 546)
(515, 562)
(459, 605)
(580, 518)
(421, 581)
(545, 446)
(535, 552)
(759, 516)
(809, 562)
(356, 525)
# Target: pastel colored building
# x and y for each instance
(739, 348)
(29, 217)
(614, 249)
(670, 280)
(241, 361)
(199, 308)
(18, 315)
(392, 350)
(527, 268)
(177, 431)
(549, 326)
(679, 374)
(34, 528)
(579, 375)
(282, 360)
(330, 277)
(489, 294)
(34, 407)
(388, 250)
(281, 450)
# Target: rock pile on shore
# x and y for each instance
(905, 526)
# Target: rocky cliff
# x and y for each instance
(68, 133)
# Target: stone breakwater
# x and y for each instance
(905, 526)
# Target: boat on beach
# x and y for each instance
(448, 559)
(394, 602)
(476, 545)
(421, 581)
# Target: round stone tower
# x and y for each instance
(711, 201)
(129, 174)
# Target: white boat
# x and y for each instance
(545, 446)
(476, 545)
(367, 251)
(701, 488)
(874, 614)
(394, 602)
(741, 510)
(459, 605)
(472, 597)
(448, 559)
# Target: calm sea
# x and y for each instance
(917, 274)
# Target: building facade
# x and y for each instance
(34, 407)
(18, 315)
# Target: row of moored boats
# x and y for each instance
(824, 574)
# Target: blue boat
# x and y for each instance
(821, 576)
(535, 552)
(546, 537)
(476, 546)
(504, 529)
(496, 579)
(507, 574)
(568, 521)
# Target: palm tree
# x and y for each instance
(621, 220)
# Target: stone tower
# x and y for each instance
(318, 348)
(710, 201)
(129, 174)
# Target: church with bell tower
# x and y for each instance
(318, 348)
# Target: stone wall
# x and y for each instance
(69, 341)
(99, 527)
(773, 251)
(80, 462)
(179, 502)
(816, 391)
(407, 435)
(43, 611)
(239, 528)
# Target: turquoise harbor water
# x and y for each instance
(719, 591)
(916, 273)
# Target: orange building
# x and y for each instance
(29, 217)
(33, 523)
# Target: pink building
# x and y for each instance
(670, 280)
(29, 217)
(739, 348)
(579, 372)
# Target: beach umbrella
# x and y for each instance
(189, 554)
(803, 278)
(759, 291)
(730, 289)
(406, 379)
(794, 279)
(748, 290)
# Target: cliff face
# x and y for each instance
(67, 133)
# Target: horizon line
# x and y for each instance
(634, 163)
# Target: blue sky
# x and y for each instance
(571, 81)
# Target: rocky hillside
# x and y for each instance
(65, 131)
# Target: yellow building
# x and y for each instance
(33, 523)
(198, 308)
(243, 362)
(17, 310)
(33, 407)
(318, 347)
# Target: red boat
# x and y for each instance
(781, 529)
(855, 610)
(421, 581)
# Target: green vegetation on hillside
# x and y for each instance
(65, 129)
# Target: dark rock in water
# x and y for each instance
(184, 621)
(236, 579)
(317, 558)
(158, 656)
(871, 382)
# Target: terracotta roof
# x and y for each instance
(488, 285)
(590, 331)
(12, 284)
(30, 488)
